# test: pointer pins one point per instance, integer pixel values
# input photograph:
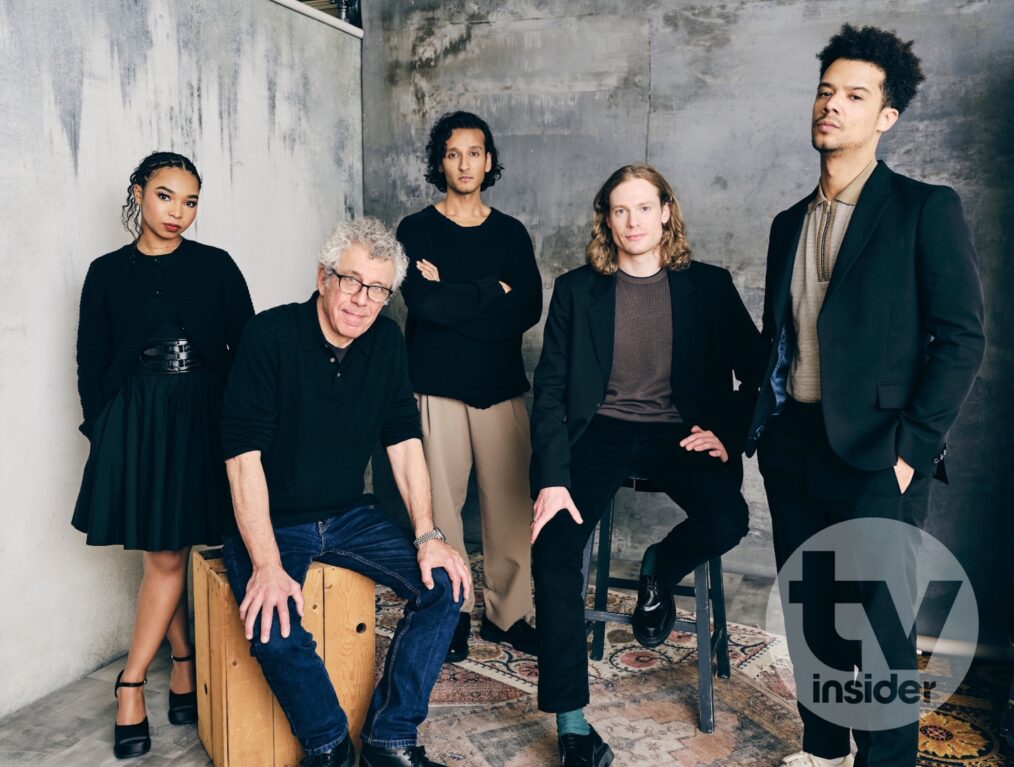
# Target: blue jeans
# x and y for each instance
(367, 541)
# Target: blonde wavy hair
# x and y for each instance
(674, 248)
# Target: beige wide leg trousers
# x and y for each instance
(497, 438)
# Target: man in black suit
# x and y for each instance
(636, 376)
(873, 312)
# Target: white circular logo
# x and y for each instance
(850, 596)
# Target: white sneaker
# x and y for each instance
(803, 759)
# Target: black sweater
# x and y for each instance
(202, 289)
(463, 332)
(315, 419)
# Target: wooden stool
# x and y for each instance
(239, 720)
(711, 645)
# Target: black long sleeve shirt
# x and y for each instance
(315, 419)
(463, 332)
(200, 287)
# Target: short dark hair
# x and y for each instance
(437, 145)
(886, 51)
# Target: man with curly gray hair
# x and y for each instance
(314, 386)
(371, 234)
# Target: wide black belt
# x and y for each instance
(175, 355)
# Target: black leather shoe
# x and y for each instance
(459, 642)
(655, 612)
(521, 635)
(584, 750)
(130, 740)
(412, 756)
(183, 705)
(344, 755)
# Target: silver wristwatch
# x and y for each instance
(433, 535)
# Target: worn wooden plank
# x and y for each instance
(202, 649)
(288, 752)
(216, 672)
(350, 641)
(248, 697)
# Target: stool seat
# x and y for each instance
(708, 592)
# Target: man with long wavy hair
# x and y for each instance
(636, 377)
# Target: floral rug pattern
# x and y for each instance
(644, 703)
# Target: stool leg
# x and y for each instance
(705, 692)
(721, 635)
(586, 577)
(602, 580)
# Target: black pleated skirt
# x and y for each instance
(155, 479)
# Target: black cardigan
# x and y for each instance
(203, 289)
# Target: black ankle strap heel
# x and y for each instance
(182, 706)
(130, 740)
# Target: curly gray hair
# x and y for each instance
(371, 233)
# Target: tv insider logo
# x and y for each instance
(852, 597)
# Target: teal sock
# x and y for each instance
(648, 563)
(572, 723)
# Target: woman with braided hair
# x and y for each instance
(160, 321)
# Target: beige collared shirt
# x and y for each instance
(823, 231)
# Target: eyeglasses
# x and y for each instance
(351, 286)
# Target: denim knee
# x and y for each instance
(279, 649)
(442, 591)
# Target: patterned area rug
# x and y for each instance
(966, 729)
(644, 703)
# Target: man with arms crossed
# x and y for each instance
(473, 289)
(636, 376)
(314, 386)
(873, 313)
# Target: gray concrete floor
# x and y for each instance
(73, 727)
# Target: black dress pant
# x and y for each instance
(809, 489)
(605, 455)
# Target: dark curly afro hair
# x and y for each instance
(437, 144)
(886, 51)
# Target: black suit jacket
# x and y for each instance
(713, 336)
(900, 332)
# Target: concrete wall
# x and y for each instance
(717, 95)
(267, 102)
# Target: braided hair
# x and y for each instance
(131, 213)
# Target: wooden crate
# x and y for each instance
(239, 720)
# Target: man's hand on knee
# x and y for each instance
(550, 501)
(435, 554)
(269, 589)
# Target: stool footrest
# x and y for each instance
(624, 583)
(603, 616)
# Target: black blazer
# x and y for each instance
(205, 291)
(900, 332)
(713, 336)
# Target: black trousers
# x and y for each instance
(605, 455)
(809, 489)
